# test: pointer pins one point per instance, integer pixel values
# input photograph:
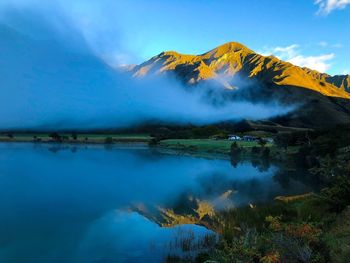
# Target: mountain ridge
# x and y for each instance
(233, 59)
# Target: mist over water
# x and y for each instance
(56, 73)
(65, 203)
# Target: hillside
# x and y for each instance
(322, 100)
(225, 62)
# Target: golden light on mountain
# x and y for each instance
(233, 58)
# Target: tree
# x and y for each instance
(154, 141)
(235, 154)
(205, 131)
(109, 140)
(262, 142)
(283, 140)
(74, 136)
(242, 126)
(235, 149)
(55, 136)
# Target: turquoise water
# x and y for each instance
(64, 203)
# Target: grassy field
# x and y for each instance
(205, 145)
(191, 146)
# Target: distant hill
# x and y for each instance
(52, 82)
(323, 99)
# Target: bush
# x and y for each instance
(109, 140)
(283, 140)
(154, 141)
(74, 136)
(55, 136)
(262, 142)
(338, 195)
(206, 131)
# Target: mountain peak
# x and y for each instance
(229, 48)
(229, 59)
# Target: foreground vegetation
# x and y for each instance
(207, 145)
(312, 227)
(308, 228)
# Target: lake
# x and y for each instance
(92, 203)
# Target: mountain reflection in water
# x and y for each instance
(63, 203)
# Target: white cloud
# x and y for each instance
(319, 63)
(327, 6)
(292, 54)
(286, 52)
(323, 44)
(338, 45)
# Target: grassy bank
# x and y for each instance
(198, 147)
(207, 145)
(338, 238)
(212, 147)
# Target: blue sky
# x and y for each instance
(313, 33)
(197, 26)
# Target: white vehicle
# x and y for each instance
(270, 140)
(234, 138)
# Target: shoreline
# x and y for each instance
(75, 142)
(212, 153)
(98, 139)
(201, 148)
(127, 143)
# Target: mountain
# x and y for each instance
(324, 99)
(233, 59)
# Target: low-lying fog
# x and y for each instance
(56, 74)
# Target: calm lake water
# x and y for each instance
(64, 203)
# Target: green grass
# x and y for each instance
(206, 145)
(338, 238)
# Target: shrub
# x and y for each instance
(55, 136)
(154, 141)
(109, 140)
(74, 136)
(338, 195)
(205, 131)
(262, 142)
(272, 257)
